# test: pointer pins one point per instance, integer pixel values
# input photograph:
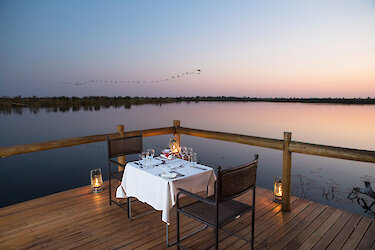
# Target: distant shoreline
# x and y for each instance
(64, 104)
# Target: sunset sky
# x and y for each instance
(260, 48)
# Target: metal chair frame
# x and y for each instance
(219, 197)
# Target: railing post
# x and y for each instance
(121, 159)
(176, 124)
(287, 171)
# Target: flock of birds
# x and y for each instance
(169, 79)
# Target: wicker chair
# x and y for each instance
(121, 147)
(220, 209)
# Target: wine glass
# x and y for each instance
(190, 150)
(184, 153)
(140, 158)
(190, 154)
(151, 152)
(194, 159)
(144, 157)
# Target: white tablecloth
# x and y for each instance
(145, 183)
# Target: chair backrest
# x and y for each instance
(125, 146)
(235, 181)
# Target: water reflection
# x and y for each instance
(365, 197)
(319, 179)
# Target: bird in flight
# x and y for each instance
(169, 79)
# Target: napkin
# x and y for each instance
(165, 157)
(168, 175)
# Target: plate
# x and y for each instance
(168, 175)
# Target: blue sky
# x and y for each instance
(245, 48)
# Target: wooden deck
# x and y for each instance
(80, 219)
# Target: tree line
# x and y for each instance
(18, 104)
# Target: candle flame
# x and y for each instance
(96, 182)
(278, 190)
(174, 149)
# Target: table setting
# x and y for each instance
(155, 180)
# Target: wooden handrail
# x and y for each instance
(68, 142)
(296, 147)
(244, 139)
(332, 152)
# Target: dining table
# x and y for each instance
(156, 182)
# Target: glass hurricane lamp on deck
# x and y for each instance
(278, 189)
(96, 180)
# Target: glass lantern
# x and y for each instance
(96, 180)
(277, 189)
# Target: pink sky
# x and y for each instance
(244, 48)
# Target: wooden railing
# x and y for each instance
(68, 142)
(287, 145)
(294, 146)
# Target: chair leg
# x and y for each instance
(252, 228)
(216, 238)
(109, 190)
(129, 208)
(178, 229)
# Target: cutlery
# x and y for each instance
(140, 165)
(162, 163)
(198, 168)
(178, 174)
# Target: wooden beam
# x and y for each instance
(244, 139)
(287, 172)
(121, 159)
(332, 152)
(176, 125)
(295, 147)
(68, 142)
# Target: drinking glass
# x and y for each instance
(194, 159)
(144, 158)
(190, 150)
(141, 156)
(184, 153)
(189, 154)
(151, 152)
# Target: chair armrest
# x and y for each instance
(203, 199)
(117, 163)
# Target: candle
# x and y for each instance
(96, 180)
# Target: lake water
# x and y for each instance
(324, 180)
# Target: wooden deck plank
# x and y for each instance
(369, 238)
(329, 236)
(285, 228)
(357, 234)
(345, 232)
(309, 229)
(78, 218)
(260, 229)
(260, 225)
(321, 230)
(281, 219)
